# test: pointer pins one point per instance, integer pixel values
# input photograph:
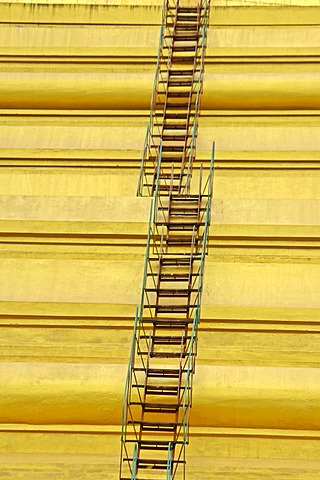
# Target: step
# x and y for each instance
(185, 37)
(175, 261)
(171, 308)
(163, 188)
(181, 83)
(172, 292)
(156, 464)
(156, 426)
(164, 372)
(188, 18)
(160, 372)
(159, 389)
(160, 407)
(186, 240)
(172, 159)
(169, 340)
(178, 227)
(189, 80)
(173, 148)
(186, 27)
(168, 188)
(171, 277)
(189, 9)
(193, 209)
(181, 72)
(166, 137)
(176, 105)
(186, 94)
(173, 137)
(185, 59)
(168, 324)
(184, 48)
(173, 126)
(184, 225)
(168, 355)
(183, 214)
(176, 277)
(178, 115)
(186, 198)
(164, 175)
(153, 445)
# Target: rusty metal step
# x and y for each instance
(172, 292)
(184, 36)
(187, 18)
(175, 94)
(173, 148)
(189, 9)
(169, 339)
(161, 372)
(186, 239)
(176, 105)
(175, 137)
(186, 198)
(183, 227)
(186, 27)
(168, 324)
(157, 464)
(185, 59)
(175, 261)
(181, 72)
(156, 426)
(149, 407)
(160, 407)
(159, 389)
(178, 115)
(184, 48)
(171, 308)
(154, 445)
(168, 355)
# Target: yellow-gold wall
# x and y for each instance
(75, 87)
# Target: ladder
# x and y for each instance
(158, 392)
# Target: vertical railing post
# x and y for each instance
(134, 462)
(169, 462)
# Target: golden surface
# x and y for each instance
(75, 85)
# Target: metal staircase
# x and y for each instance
(158, 392)
(173, 125)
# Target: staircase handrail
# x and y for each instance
(187, 391)
(207, 216)
(145, 269)
(128, 379)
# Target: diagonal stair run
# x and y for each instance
(175, 104)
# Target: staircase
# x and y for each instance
(175, 104)
(158, 392)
